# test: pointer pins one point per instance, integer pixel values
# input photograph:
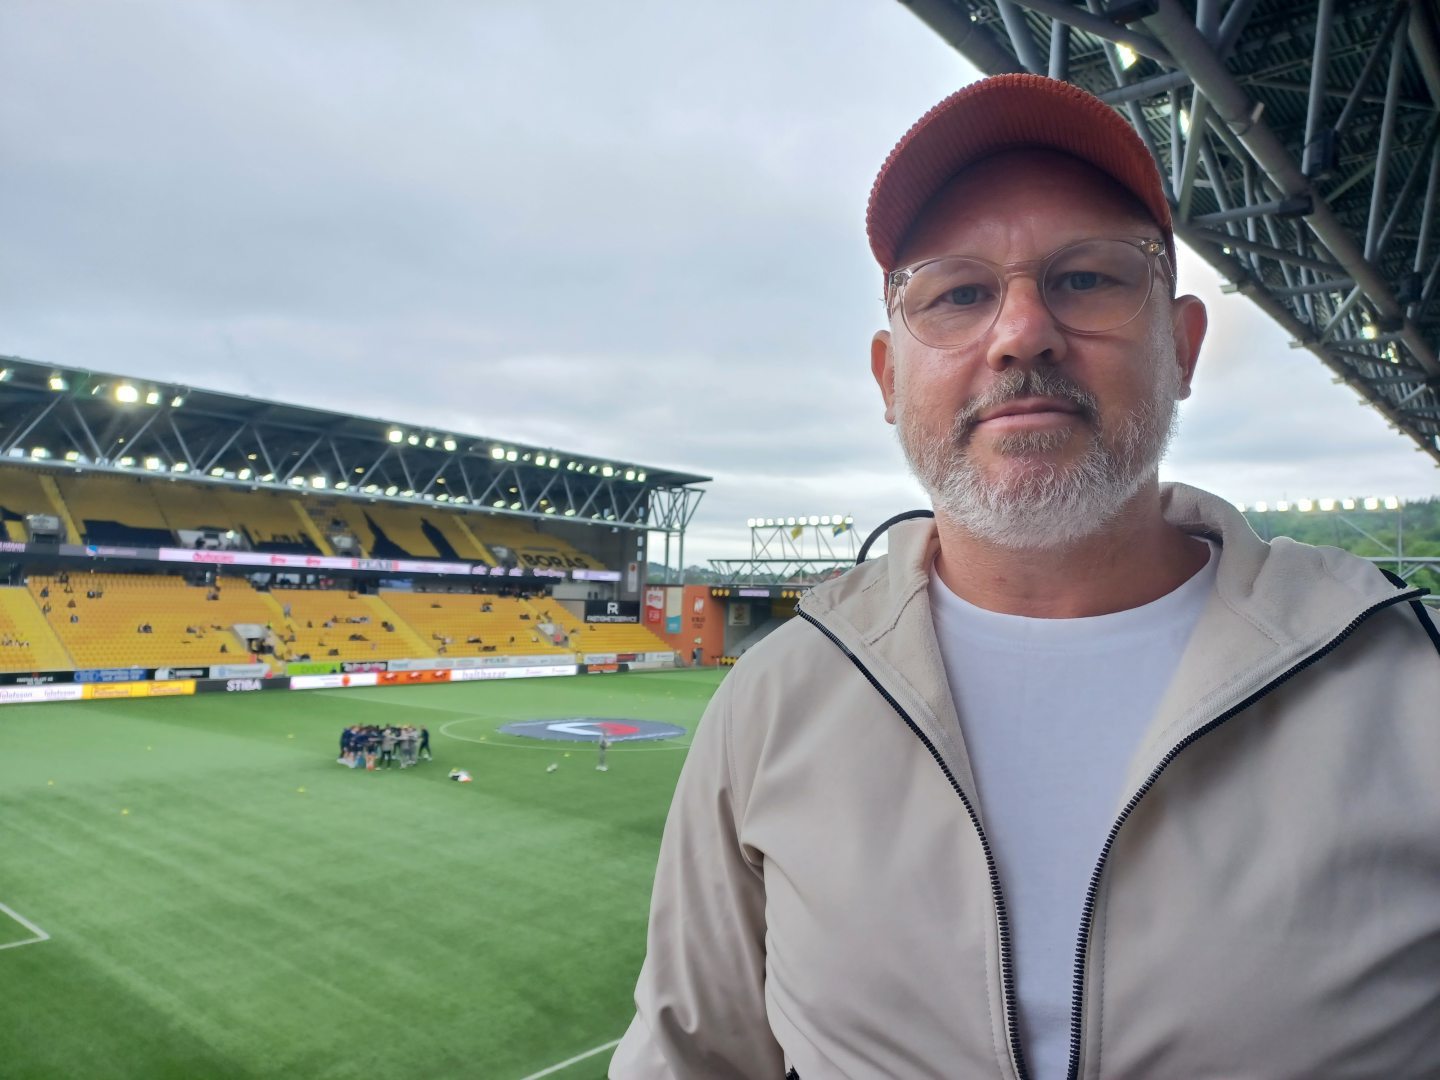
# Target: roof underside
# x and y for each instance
(1298, 142)
(93, 421)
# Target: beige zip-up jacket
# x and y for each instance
(1267, 906)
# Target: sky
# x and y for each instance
(631, 230)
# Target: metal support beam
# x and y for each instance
(1020, 37)
(1060, 50)
(1173, 28)
(1371, 63)
(1097, 24)
(1387, 139)
(1319, 71)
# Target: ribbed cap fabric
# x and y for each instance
(1007, 112)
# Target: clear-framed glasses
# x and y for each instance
(1089, 287)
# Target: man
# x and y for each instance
(1082, 779)
(602, 744)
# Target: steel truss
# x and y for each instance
(1300, 147)
(796, 552)
(92, 422)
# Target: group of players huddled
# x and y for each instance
(383, 747)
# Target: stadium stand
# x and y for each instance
(115, 510)
(187, 627)
(273, 522)
(347, 614)
(26, 641)
(605, 637)
(532, 548)
(452, 620)
(21, 493)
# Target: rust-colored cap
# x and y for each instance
(1007, 112)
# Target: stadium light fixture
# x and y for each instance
(607, 471)
(1304, 506)
(540, 459)
(500, 503)
(549, 509)
(824, 519)
(749, 523)
(498, 453)
(6, 374)
(1326, 505)
(184, 466)
(1262, 507)
(1392, 503)
(152, 398)
(268, 478)
(153, 464)
(413, 440)
(514, 506)
(629, 474)
(554, 462)
(177, 401)
(408, 493)
(1372, 503)
(217, 471)
(297, 481)
(1282, 506)
(72, 455)
(391, 491)
(1127, 56)
(570, 512)
(126, 394)
(58, 383)
(511, 455)
(395, 435)
(243, 474)
(430, 442)
(450, 445)
(126, 462)
(318, 481)
(370, 489)
(1347, 504)
(39, 452)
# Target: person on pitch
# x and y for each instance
(602, 744)
(1082, 779)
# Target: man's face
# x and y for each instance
(1033, 436)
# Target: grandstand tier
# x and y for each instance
(476, 624)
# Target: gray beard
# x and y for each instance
(1043, 505)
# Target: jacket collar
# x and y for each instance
(1274, 604)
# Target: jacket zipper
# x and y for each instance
(1007, 972)
(1092, 891)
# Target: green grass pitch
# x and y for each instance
(224, 901)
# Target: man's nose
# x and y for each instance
(1025, 332)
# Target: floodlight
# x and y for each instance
(749, 523)
(72, 455)
(1262, 507)
(570, 512)
(1347, 504)
(58, 383)
(1368, 332)
(217, 471)
(497, 453)
(430, 442)
(515, 506)
(268, 478)
(318, 481)
(549, 509)
(511, 455)
(413, 440)
(814, 520)
(500, 503)
(243, 474)
(177, 401)
(824, 519)
(391, 491)
(1392, 503)
(450, 445)
(126, 462)
(152, 463)
(6, 374)
(607, 471)
(126, 393)
(39, 452)
(640, 476)
(1127, 56)
(1372, 503)
(395, 435)
(152, 398)
(407, 494)
(1282, 506)
(1304, 506)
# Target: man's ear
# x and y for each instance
(1188, 323)
(882, 366)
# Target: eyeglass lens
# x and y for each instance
(1092, 286)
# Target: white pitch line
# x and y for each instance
(40, 935)
(444, 730)
(571, 1061)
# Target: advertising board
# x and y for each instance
(612, 611)
(24, 695)
(333, 682)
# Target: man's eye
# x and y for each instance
(1079, 280)
(962, 295)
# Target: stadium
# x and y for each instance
(209, 598)
(177, 562)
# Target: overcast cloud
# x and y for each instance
(630, 229)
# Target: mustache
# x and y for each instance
(1016, 384)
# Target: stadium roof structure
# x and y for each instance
(1298, 143)
(52, 416)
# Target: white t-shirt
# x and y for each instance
(1051, 711)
